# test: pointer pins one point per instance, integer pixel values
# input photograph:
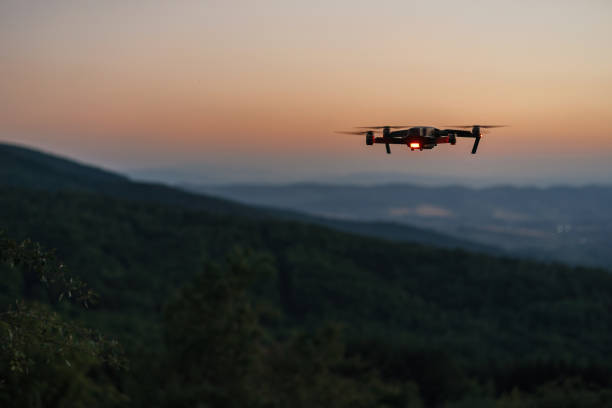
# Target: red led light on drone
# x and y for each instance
(415, 145)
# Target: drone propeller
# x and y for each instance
(476, 133)
(381, 127)
(480, 126)
(360, 132)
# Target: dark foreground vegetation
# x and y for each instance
(236, 312)
(156, 304)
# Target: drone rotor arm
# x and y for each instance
(459, 133)
(480, 126)
(383, 127)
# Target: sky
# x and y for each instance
(231, 91)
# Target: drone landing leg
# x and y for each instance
(388, 148)
(475, 145)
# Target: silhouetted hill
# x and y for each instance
(28, 168)
(24, 167)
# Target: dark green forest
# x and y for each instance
(113, 299)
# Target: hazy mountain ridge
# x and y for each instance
(24, 166)
(570, 224)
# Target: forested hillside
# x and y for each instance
(135, 254)
(238, 310)
(25, 167)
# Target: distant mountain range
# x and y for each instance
(569, 224)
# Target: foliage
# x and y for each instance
(46, 360)
(50, 362)
(568, 393)
(480, 308)
(219, 355)
(315, 370)
(42, 267)
(213, 338)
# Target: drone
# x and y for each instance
(419, 137)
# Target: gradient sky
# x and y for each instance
(253, 90)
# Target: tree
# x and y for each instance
(45, 360)
(312, 370)
(219, 355)
(213, 337)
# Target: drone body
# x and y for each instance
(420, 137)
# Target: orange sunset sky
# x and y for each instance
(253, 90)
